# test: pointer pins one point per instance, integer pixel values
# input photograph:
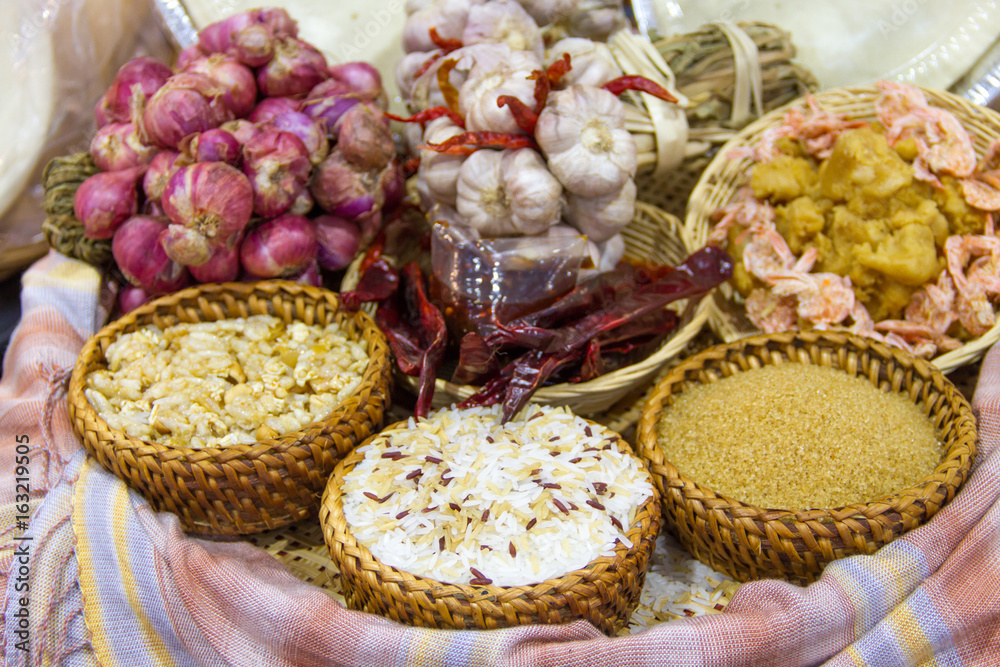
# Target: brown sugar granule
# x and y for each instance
(795, 436)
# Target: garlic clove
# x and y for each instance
(600, 218)
(548, 11)
(439, 171)
(593, 62)
(482, 198)
(448, 17)
(503, 22)
(533, 193)
(582, 133)
(487, 81)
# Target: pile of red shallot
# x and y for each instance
(252, 159)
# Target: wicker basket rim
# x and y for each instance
(651, 412)
(332, 502)
(697, 220)
(216, 292)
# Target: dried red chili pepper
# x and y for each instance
(559, 69)
(427, 64)
(476, 360)
(416, 333)
(542, 87)
(430, 114)
(448, 89)
(640, 83)
(378, 281)
(525, 117)
(446, 45)
(468, 143)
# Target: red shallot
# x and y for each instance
(216, 145)
(328, 101)
(360, 77)
(270, 108)
(210, 204)
(106, 200)
(339, 241)
(278, 167)
(364, 138)
(306, 129)
(279, 247)
(131, 297)
(187, 103)
(162, 167)
(296, 68)
(143, 76)
(241, 128)
(117, 146)
(139, 254)
(222, 266)
(236, 78)
(346, 190)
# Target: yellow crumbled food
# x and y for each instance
(234, 381)
(796, 436)
(867, 216)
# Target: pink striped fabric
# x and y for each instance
(115, 583)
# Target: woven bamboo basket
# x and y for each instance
(724, 177)
(652, 236)
(749, 542)
(605, 592)
(240, 488)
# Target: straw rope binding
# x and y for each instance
(748, 542)
(240, 488)
(605, 592)
(724, 177)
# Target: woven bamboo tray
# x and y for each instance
(749, 542)
(723, 178)
(606, 592)
(652, 236)
(241, 488)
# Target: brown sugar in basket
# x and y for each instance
(724, 177)
(605, 592)
(652, 236)
(749, 542)
(240, 488)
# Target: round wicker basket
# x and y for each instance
(724, 177)
(605, 592)
(749, 542)
(652, 236)
(240, 488)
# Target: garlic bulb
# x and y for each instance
(593, 63)
(582, 133)
(439, 171)
(548, 11)
(600, 218)
(501, 193)
(426, 91)
(407, 68)
(595, 19)
(503, 22)
(534, 193)
(448, 17)
(488, 80)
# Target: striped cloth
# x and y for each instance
(97, 577)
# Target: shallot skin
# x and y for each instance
(338, 242)
(279, 247)
(106, 200)
(278, 168)
(187, 103)
(296, 68)
(161, 168)
(117, 146)
(209, 204)
(237, 79)
(365, 139)
(139, 253)
(139, 76)
(222, 266)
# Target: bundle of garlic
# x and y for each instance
(515, 138)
